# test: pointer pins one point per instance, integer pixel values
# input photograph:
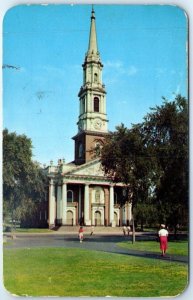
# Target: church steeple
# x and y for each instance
(92, 120)
(92, 48)
(92, 94)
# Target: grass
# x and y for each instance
(31, 230)
(79, 272)
(174, 247)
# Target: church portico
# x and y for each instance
(74, 202)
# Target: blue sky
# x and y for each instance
(143, 49)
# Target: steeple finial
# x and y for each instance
(93, 16)
(92, 48)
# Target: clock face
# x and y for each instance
(97, 124)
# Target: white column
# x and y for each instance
(59, 198)
(79, 203)
(86, 205)
(64, 203)
(129, 212)
(111, 206)
(51, 203)
(124, 214)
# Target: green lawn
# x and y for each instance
(33, 230)
(174, 247)
(79, 272)
(30, 230)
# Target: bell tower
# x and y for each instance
(92, 121)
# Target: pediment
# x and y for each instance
(91, 168)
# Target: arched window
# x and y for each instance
(70, 196)
(96, 104)
(95, 78)
(98, 147)
(83, 105)
(80, 150)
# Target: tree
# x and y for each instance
(23, 180)
(151, 159)
(146, 214)
(165, 130)
(125, 158)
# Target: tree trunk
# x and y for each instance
(133, 231)
(142, 225)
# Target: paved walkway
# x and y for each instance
(98, 242)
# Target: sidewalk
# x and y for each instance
(63, 230)
(98, 242)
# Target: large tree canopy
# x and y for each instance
(151, 158)
(165, 130)
(23, 179)
(125, 158)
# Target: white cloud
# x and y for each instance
(120, 68)
(132, 70)
(113, 64)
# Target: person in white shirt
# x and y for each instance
(124, 230)
(163, 236)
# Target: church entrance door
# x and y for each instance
(116, 218)
(97, 218)
(69, 217)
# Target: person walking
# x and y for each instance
(80, 234)
(128, 229)
(163, 237)
(124, 230)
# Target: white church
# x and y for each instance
(79, 191)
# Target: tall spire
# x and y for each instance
(92, 120)
(92, 48)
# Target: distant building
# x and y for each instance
(79, 191)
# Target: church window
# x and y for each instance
(70, 196)
(80, 150)
(95, 77)
(96, 104)
(97, 196)
(83, 105)
(98, 147)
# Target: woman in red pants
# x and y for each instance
(163, 235)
